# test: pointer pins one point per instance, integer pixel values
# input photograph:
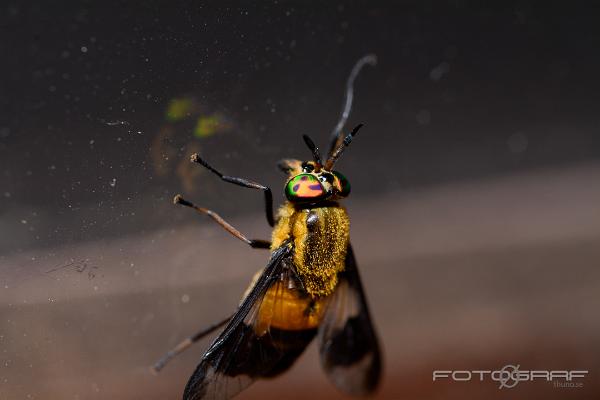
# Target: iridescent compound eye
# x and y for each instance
(304, 187)
(341, 184)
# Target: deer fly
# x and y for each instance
(309, 287)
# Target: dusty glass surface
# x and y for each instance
(475, 205)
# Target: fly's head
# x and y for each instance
(311, 183)
(314, 181)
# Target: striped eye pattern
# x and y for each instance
(309, 187)
(304, 187)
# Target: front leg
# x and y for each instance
(244, 183)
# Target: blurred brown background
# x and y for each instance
(475, 206)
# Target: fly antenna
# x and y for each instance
(337, 152)
(336, 137)
(313, 148)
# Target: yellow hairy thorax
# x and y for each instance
(320, 236)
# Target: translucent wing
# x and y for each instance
(347, 341)
(251, 346)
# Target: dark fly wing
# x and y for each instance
(239, 355)
(347, 341)
(224, 369)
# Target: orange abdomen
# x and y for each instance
(288, 309)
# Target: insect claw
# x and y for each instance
(180, 200)
(154, 370)
(195, 158)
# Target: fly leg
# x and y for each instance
(244, 183)
(187, 342)
(254, 243)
